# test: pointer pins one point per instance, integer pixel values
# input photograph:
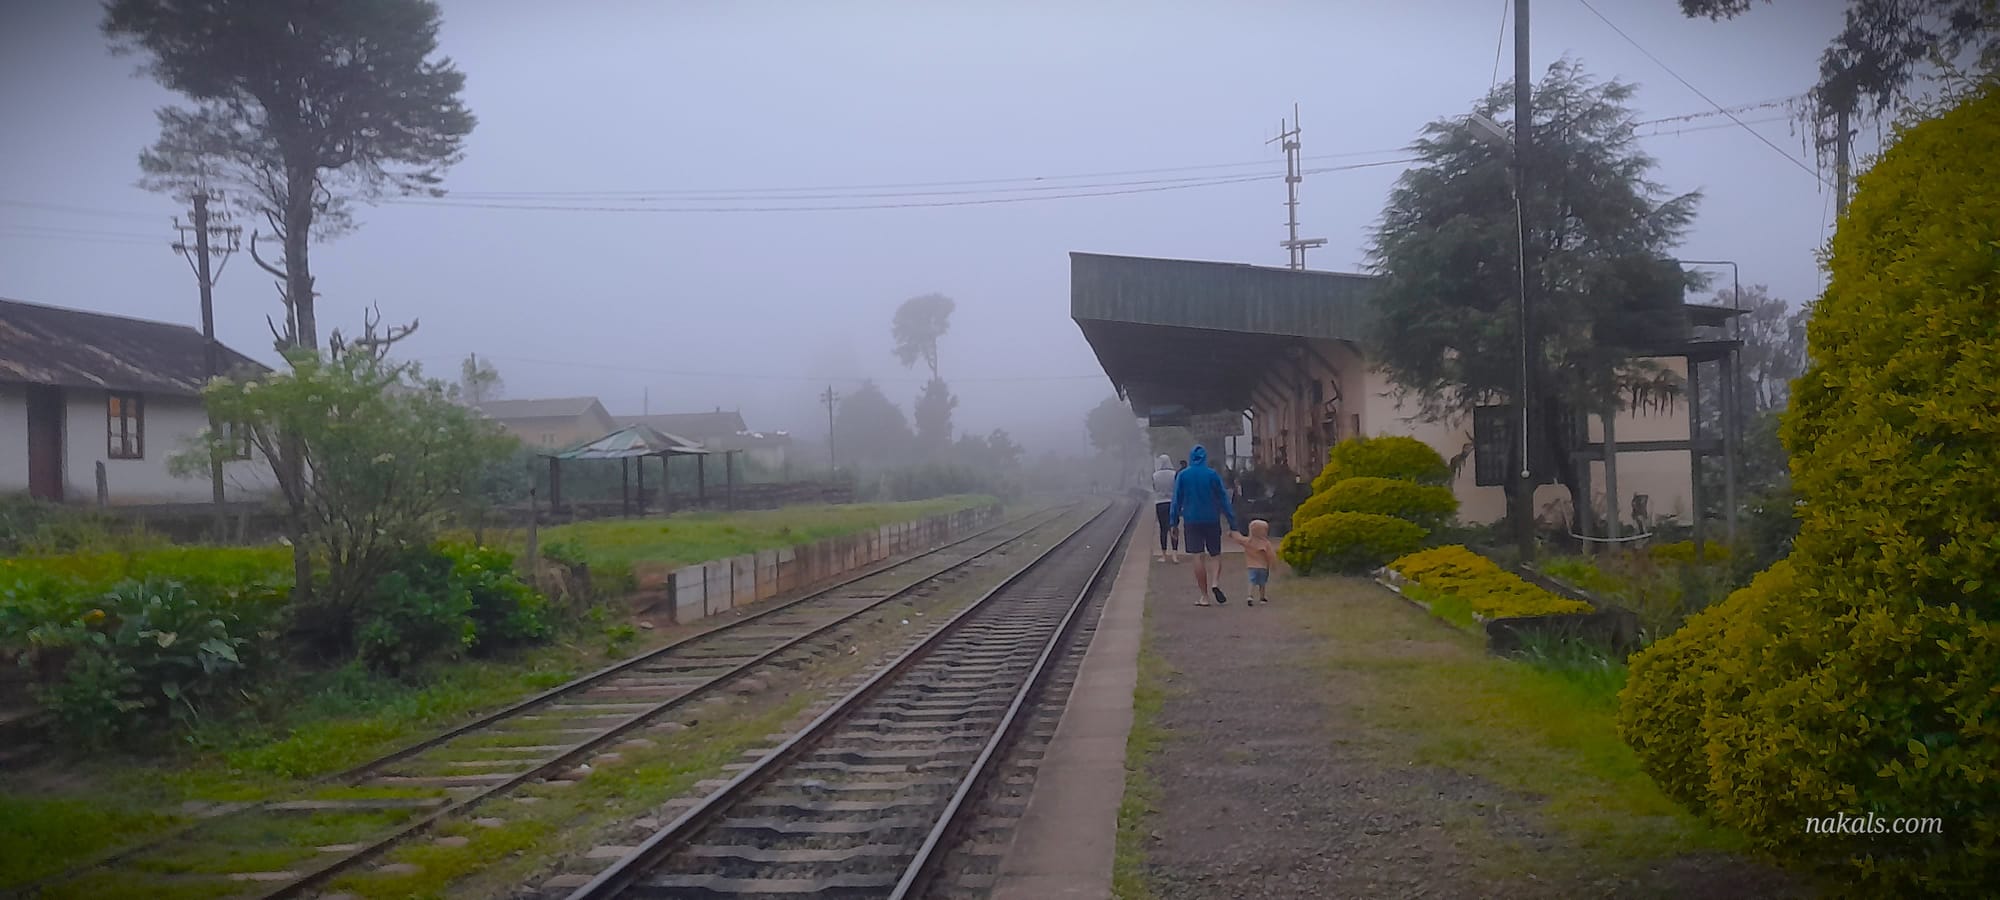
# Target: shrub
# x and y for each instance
(1429, 506)
(415, 612)
(1388, 456)
(505, 611)
(1348, 542)
(1872, 685)
(1491, 592)
(1683, 552)
(143, 650)
(1670, 684)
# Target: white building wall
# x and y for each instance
(1662, 476)
(173, 426)
(13, 438)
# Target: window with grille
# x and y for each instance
(125, 420)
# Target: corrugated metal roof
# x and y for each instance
(630, 442)
(550, 408)
(1219, 296)
(73, 348)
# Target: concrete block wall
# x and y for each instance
(704, 589)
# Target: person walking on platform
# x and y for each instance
(1163, 501)
(1201, 502)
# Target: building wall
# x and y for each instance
(13, 438)
(173, 426)
(556, 433)
(1662, 476)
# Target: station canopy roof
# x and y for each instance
(632, 442)
(1181, 337)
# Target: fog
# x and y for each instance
(761, 306)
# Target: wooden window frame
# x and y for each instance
(125, 425)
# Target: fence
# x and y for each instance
(697, 591)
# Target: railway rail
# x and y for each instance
(867, 799)
(495, 754)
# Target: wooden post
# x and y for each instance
(1694, 457)
(642, 485)
(625, 487)
(103, 486)
(555, 483)
(729, 473)
(1611, 523)
(701, 481)
(534, 539)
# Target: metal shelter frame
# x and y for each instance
(638, 443)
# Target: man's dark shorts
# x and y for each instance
(1203, 537)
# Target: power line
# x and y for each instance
(1500, 43)
(1697, 91)
(80, 210)
(1668, 132)
(767, 376)
(920, 204)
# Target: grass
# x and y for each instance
(1542, 730)
(1149, 697)
(696, 537)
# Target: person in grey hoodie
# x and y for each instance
(1163, 502)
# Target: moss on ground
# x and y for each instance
(1149, 696)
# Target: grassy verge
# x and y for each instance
(694, 537)
(1543, 731)
(1128, 864)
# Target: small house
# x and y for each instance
(81, 389)
(553, 423)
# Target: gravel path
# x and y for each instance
(1270, 789)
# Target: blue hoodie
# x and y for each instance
(1198, 493)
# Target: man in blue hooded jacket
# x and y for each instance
(1202, 502)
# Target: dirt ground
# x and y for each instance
(1270, 786)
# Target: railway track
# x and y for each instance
(867, 799)
(254, 850)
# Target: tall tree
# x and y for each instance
(1885, 44)
(869, 431)
(1447, 252)
(933, 415)
(300, 107)
(478, 380)
(1114, 433)
(918, 325)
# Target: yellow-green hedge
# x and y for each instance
(1491, 591)
(1389, 456)
(1871, 683)
(1348, 542)
(1683, 552)
(1429, 506)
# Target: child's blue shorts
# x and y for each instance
(1260, 577)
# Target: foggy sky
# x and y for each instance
(613, 96)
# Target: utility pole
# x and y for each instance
(1524, 501)
(1294, 246)
(1843, 144)
(198, 257)
(830, 398)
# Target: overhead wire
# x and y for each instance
(768, 376)
(1809, 170)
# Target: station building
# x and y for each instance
(1287, 350)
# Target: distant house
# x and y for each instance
(81, 388)
(723, 430)
(551, 424)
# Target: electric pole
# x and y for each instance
(830, 398)
(1843, 144)
(1294, 247)
(1524, 500)
(198, 256)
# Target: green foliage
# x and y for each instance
(1683, 552)
(1385, 456)
(1871, 683)
(870, 431)
(1427, 505)
(919, 323)
(1479, 583)
(1349, 542)
(141, 651)
(447, 601)
(391, 457)
(29, 526)
(1448, 245)
(927, 481)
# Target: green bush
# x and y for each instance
(139, 652)
(1388, 456)
(1429, 506)
(1872, 685)
(505, 610)
(1348, 542)
(1479, 583)
(446, 601)
(1682, 552)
